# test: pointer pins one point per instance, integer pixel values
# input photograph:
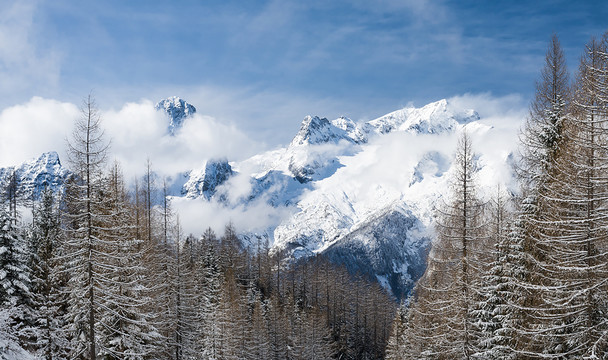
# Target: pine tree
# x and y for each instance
(15, 295)
(48, 280)
(494, 309)
(212, 279)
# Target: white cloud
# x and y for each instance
(506, 115)
(136, 132)
(197, 215)
(139, 132)
(39, 125)
(511, 108)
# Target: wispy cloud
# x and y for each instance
(27, 64)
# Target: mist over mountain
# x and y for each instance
(360, 193)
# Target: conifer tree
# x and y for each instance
(543, 131)
(125, 331)
(442, 321)
(542, 145)
(494, 309)
(85, 249)
(48, 280)
(15, 295)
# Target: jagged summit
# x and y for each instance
(435, 118)
(37, 174)
(177, 110)
(204, 182)
(315, 130)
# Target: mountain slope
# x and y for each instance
(361, 193)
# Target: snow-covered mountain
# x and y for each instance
(177, 110)
(360, 193)
(204, 181)
(33, 176)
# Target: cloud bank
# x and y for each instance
(138, 132)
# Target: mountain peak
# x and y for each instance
(177, 110)
(203, 182)
(37, 174)
(315, 130)
(434, 118)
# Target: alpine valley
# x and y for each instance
(361, 193)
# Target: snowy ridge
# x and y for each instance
(352, 198)
(361, 193)
(434, 118)
(360, 203)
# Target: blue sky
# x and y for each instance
(264, 65)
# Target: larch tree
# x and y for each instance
(87, 151)
(563, 312)
(125, 330)
(441, 322)
(542, 144)
(574, 224)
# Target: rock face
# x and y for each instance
(204, 182)
(32, 177)
(386, 247)
(177, 110)
(315, 130)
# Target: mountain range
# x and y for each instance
(361, 193)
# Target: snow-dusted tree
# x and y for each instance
(186, 312)
(15, 295)
(543, 131)
(494, 311)
(162, 281)
(543, 144)
(398, 339)
(125, 328)
(11, 194)
(567, 249)
(149, 191)
(85, 249)
(48, 279)
(442, 320)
